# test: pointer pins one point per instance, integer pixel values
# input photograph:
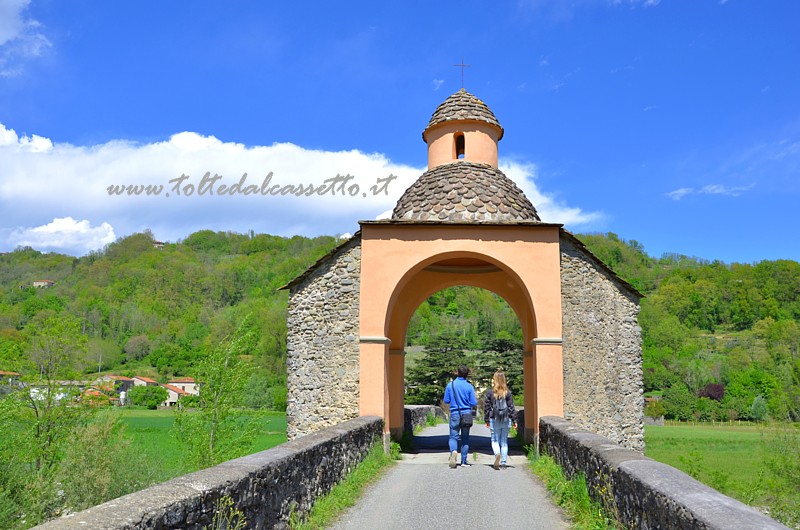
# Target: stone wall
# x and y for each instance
(266, 487)
(643, 493)
(602, 348)
(322, 343)
(417, 416)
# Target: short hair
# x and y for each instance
(463, 371)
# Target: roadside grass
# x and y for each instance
(150, 433)
(345, 494)
(729, 458)
(572, 495)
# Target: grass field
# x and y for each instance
(728, 458)
(150, 432)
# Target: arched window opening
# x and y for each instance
(459, 138)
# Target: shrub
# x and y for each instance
(148, 396)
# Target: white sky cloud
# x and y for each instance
(20, 38)
(64, 234)
(56, 196)
(709, 189)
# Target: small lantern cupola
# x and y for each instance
(462, 128)
(463, 182)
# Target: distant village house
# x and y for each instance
(187, 384)
(140, 380)
(8, 378)
(43, 284)
(173, 395)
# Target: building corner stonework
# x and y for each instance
(322, 343)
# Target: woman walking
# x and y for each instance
(499, 413)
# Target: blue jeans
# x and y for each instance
(499, 432)
(457, 432)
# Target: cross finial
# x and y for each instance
(462, 65)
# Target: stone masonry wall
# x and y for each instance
(266, 487)
(602, 349)
(641, 492)
(417, 416)
(322, 343)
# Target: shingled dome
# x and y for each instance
(464, 191)
(463, 106)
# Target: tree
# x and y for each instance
(758, 409)
(137, 347)
(501, 353)
(714, 391)
(435, 368)
(679, 403)
(39, 421)
(56, 345)
(214, 432)
(150, 396)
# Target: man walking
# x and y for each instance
(460, 395)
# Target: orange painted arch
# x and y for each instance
(403, 263)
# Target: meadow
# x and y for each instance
(732, 458)
(150, 431)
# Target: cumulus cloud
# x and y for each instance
(710, 189)
(64, 234)
(550, 210)
(68, 197)
(21, 38)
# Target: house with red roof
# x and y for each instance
(9, 377)
(187, 384)
(140, 380)
(173, 395)
(118, 383)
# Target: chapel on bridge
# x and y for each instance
(464, 222)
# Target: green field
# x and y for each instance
(150, 432)
(729, 458)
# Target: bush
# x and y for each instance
(713, 391)
(98, 465)
(148, 396)
(679, 403)
(654, 409)
(758, 410)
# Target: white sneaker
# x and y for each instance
(453, 459)
(496, 464)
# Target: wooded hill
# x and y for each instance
(720, 340)
(154, 312)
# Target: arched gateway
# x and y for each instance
(463, 222)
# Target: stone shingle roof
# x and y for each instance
(463, 106)
(464, 191)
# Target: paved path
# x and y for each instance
(423, 492)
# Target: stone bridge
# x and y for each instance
(463, 222)
(268, 487)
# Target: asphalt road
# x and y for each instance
(423, 492)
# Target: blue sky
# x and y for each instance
(674, 123)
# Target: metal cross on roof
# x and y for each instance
(462, 65)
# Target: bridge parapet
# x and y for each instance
(266, 487)
(642, 492)
(417, 415)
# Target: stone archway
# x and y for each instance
(464, 221)
(402, 263)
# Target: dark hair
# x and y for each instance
(463, 371)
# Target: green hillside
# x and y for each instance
(154, 311)
(721, 340)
